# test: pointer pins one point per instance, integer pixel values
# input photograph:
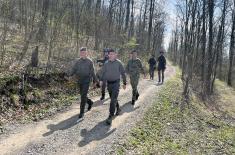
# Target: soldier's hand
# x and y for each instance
(124, 87)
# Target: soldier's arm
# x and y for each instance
(122, 70)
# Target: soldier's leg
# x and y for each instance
(159, 75)
(150, 75)
(88, 100)
(103, 90)
(163, 70)
(133, 86)
(153, 73)
(114, 96)
(83, 92)
(113, 91)
(137, 93)
(109, 87)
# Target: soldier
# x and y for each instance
(112, 71)
(83, 69)
(133, 68)
(161, 66)
(103, 61)
(152, 65)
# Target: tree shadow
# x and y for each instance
(98, 132)
(66, 124)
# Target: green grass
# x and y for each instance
(166, 129)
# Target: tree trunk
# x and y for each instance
(231, 50)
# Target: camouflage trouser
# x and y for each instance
(134, 80)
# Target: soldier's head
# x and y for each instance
(112, 55)
(134, 54)
(83, 52)
(161, 52)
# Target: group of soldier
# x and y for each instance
(109, 75)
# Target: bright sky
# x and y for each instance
(171, 20)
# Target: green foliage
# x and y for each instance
(131, 44)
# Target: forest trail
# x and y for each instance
(62, 135)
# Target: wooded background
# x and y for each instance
(202, 43)
(61, 27)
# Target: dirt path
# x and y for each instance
(62, 135)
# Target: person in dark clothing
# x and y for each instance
(106, 56)
(134, 68)
(103, 61)
(112, 71)
(161, 66)
(83, 69)
(152, 65)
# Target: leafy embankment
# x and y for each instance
(167, 129)
(41, 96)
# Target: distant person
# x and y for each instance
(105, 56)
(83, 69)
(112, 71)
(161, 66)
(134, 68)
(152, 66)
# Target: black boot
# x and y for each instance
(137, 95)
(109, 120)
(80, 118)
(90, 104)
(118, 111)
(133, 102)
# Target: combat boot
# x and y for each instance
(109, 120)
(90, 104)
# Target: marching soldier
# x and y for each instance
(152, 65)
(161, 66)
(83, 69)
(102, 62)
(134, 68)
(112, 71)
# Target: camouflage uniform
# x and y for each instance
(133, 68)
